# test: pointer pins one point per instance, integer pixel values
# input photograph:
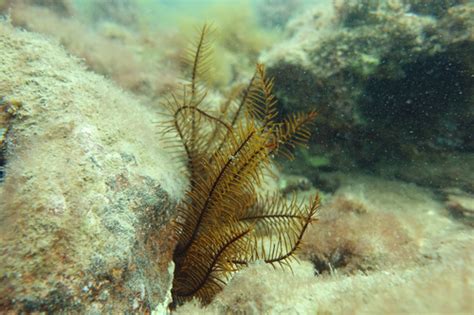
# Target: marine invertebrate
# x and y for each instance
(223, 224)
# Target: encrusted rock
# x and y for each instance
(88, 191)
(388, 78)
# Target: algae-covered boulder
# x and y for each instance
(390, 79)
(88, 189)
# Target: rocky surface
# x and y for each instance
(377, 242)
(88, 191)
(390, 79)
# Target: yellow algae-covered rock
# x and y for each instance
(87, 190)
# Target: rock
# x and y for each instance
(461, 205)
(88, 191)
(289, 184)
(446, 169)
(388, 79)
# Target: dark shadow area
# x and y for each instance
(427, 110)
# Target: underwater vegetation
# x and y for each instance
(223, 224)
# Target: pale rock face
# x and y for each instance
(88, 188)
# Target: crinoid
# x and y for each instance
(222, 223)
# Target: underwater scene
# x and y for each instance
(236, 157)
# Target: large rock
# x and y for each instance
(88, 189)
(389, 78)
